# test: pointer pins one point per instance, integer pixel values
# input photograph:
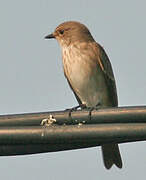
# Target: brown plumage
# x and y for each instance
(89, 74)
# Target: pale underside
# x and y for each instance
(89, 73)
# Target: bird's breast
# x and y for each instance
(84, 75)
(77, 67)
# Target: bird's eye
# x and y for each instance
(61, 31)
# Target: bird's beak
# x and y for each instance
(50, 36)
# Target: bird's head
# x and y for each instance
(70, 32)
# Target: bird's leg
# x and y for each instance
(82, 106)
(98, 105)
(73, 108)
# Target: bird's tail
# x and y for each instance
(111, 155)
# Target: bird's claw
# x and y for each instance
(84, 107)
(90, 109)
(81, 106)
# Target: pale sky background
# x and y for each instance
(32, 80)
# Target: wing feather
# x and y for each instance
(106, 67)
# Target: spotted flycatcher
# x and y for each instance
(89, 73)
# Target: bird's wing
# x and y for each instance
(106, 67)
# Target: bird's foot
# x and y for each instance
(73, 108)
(90, 109)
(81, 106)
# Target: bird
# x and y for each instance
(89, 74)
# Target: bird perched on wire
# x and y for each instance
(89, 73)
